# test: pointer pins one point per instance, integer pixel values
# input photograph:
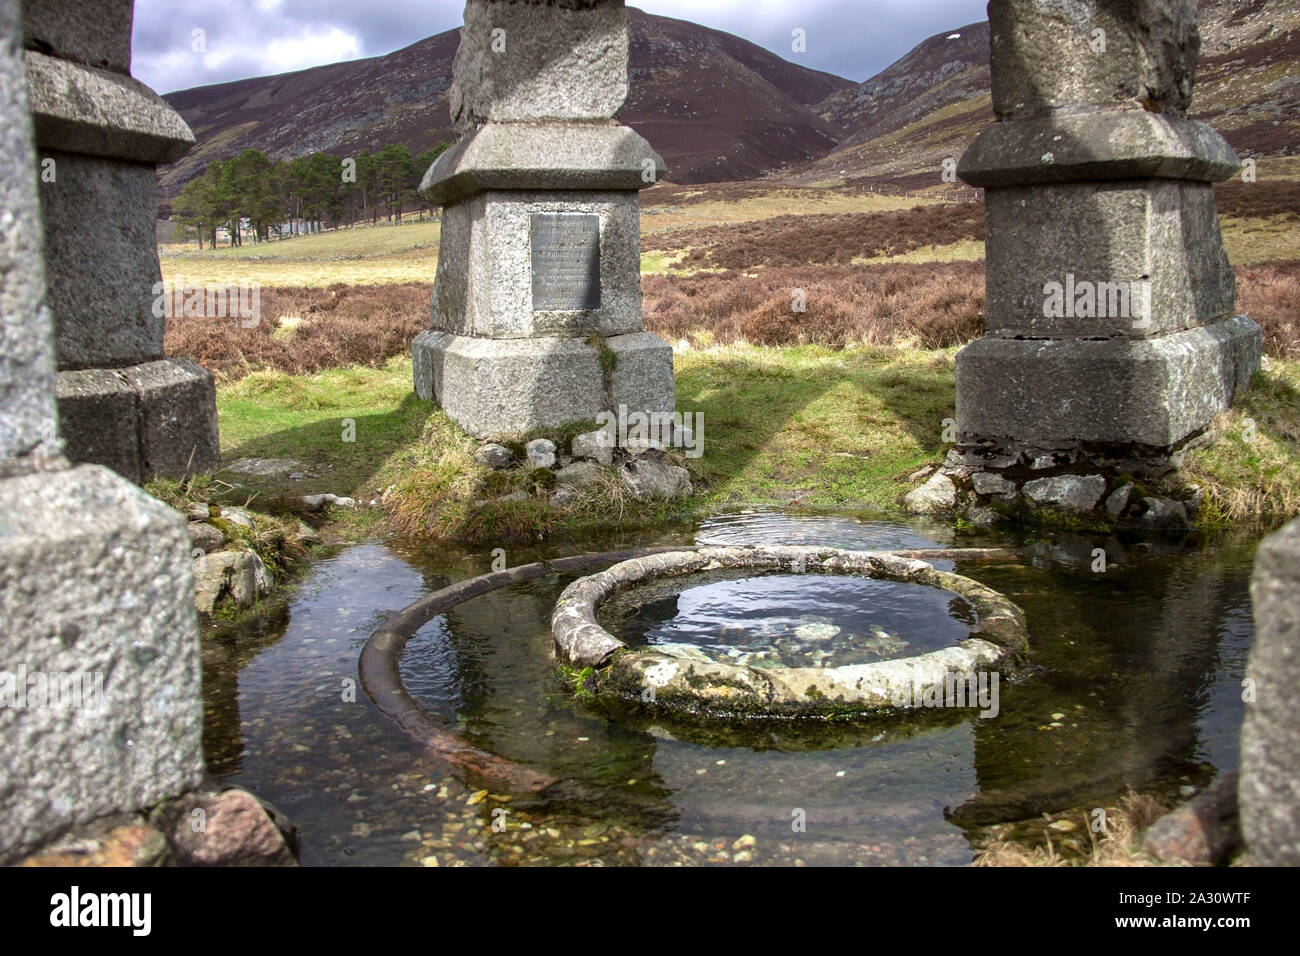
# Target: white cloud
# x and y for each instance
(312, 49)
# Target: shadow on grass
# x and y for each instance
(817, 426)
(331, 462)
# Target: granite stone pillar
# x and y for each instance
(99, 135)
(537, 301)
(1111, 335)
(100, 703)
(1269, 788)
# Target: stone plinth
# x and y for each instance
(536, 311)
(1111, 326)
(100, 701)
(1269, 789)
(97, 605)
(100, 135)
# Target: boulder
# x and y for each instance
(494, 456)
(205, 537)
(648, 479)
(1163, 514)
(320, 502)
(987, 483)
(133, 845)
(1203, 832)
(249, 579)
(541, 453)
(596, 446)
(1075, 494)
(936, 496)
(1118, 500)
(237, 516)
(578, 474)
(238, 573)
(225, 829)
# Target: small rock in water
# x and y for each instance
(816, 631)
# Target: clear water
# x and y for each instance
(790, 620)
(1143, 663)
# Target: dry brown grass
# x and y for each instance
(306, 330)
(822, 239)
(1270, 294)
(1259, 200)
(1118, 846)
(932, 305)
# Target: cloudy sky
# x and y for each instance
(242, 38)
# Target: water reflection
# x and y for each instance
(1138, 684)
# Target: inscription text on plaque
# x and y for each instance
(566, 261)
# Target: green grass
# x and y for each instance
(364, 255)
(1252, 468)
(814, 425)
(780, 425)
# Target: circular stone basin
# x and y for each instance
(944, 631)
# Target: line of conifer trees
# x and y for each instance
(253, 196)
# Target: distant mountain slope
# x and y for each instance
(715, 106)
(903, 122)
(721, 108)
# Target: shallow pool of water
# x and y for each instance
(1138, 683)
(789, 620)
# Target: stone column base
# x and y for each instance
(156, 418)
(496, 387)
(101, 711)
(1031, 397)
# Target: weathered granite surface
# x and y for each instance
(101, 280)
(1144, 257)
(484, 283)
(80, 109)
(1046, 55)
(94, 32)
(1053, 392)
(556, 59)
(542, 156)
(95, 585)
(28, 425)
(1269, 789)
(1111, 334)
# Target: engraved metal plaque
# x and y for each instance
(566, 261)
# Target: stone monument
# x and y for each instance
(99, 134)
(100, 704)
(1269, 788)
(537, 301)
(1111, 339)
